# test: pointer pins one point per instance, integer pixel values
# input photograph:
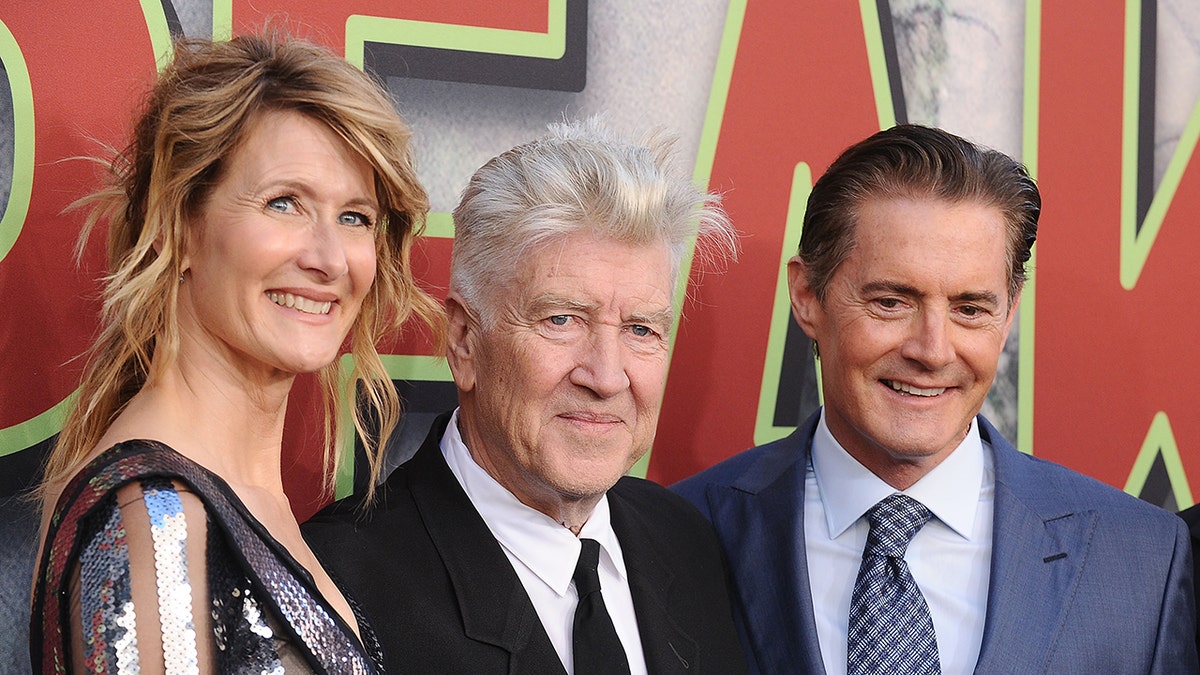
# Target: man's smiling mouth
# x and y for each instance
(911, 390)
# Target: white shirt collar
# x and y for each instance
(543, 545)
(849, 489)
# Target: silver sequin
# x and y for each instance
(106, 608)
(266, 616)
(168, 530)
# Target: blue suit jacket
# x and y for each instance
(1084, 579)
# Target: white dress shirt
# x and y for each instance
(950, 558)
(543, 553)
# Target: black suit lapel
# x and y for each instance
(494, 605)
(667, 648)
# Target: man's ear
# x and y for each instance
(806, 308)
(461, 337)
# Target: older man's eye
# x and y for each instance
(641, 331)
(560, 319)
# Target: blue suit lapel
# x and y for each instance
(1038, 549)
(763, 518)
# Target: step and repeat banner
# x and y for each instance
(1097, 97)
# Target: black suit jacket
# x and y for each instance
(443, 597)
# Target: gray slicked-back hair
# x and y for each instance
(579, 178)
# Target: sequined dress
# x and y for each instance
(266, 613)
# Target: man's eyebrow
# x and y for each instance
(662, 317)
(552, 301)
(892, 287)
(979, 297)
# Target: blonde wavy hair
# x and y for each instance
(195, 118)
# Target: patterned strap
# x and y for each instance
(106, 600)
(298, 604)
(168, 530)
(108, 617)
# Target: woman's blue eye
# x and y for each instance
(354, 218)
(281, 204)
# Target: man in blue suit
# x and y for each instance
(896, 530)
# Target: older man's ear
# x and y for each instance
(806, 308)
(462, 333)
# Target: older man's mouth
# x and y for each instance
(591, 418)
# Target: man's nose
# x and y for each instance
(601, 364)
(929, 343)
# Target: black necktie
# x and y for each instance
(890, 627)
(596, 647)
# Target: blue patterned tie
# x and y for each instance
(890, 627)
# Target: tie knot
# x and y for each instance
(587, 580)
(895, 520)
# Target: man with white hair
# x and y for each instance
(513, 542)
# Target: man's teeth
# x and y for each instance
(300, 303)
(914, 391)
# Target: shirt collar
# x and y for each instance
(848, 489)
(543, 545)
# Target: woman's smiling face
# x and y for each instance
(283, 252)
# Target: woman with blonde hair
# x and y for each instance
(261, 218)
